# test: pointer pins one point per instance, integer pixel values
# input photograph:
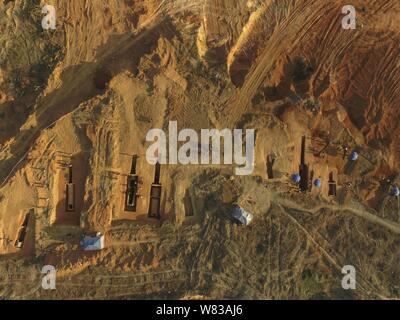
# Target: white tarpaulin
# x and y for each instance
(241, 215)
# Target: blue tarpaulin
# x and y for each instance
(296, 178)
(395, 191)
(353, 156)
(318, 183)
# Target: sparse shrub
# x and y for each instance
(311, 104)
(301, 70)
(311, 286)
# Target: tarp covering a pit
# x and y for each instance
(241, 215)
(93, 243)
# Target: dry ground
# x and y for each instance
(87, 93)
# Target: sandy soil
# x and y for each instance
(87, 93)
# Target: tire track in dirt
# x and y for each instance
(286, 32)
(278, 257)
(80, 86)
(270, 248)
(365, 285)
(274, 256)
(392, 226)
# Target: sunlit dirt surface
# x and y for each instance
(86, 93)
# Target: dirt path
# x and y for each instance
(365, 285)
(392, 226)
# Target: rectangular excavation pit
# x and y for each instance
(20, 238)
(70, 189)
(132, 188)
(303, 168)
(70, 192)
(155, 201)
(131, 193)
(23, 230)
(270, 165)
(189, 210)
(155, 194)
(331, 185)
(133, 184)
